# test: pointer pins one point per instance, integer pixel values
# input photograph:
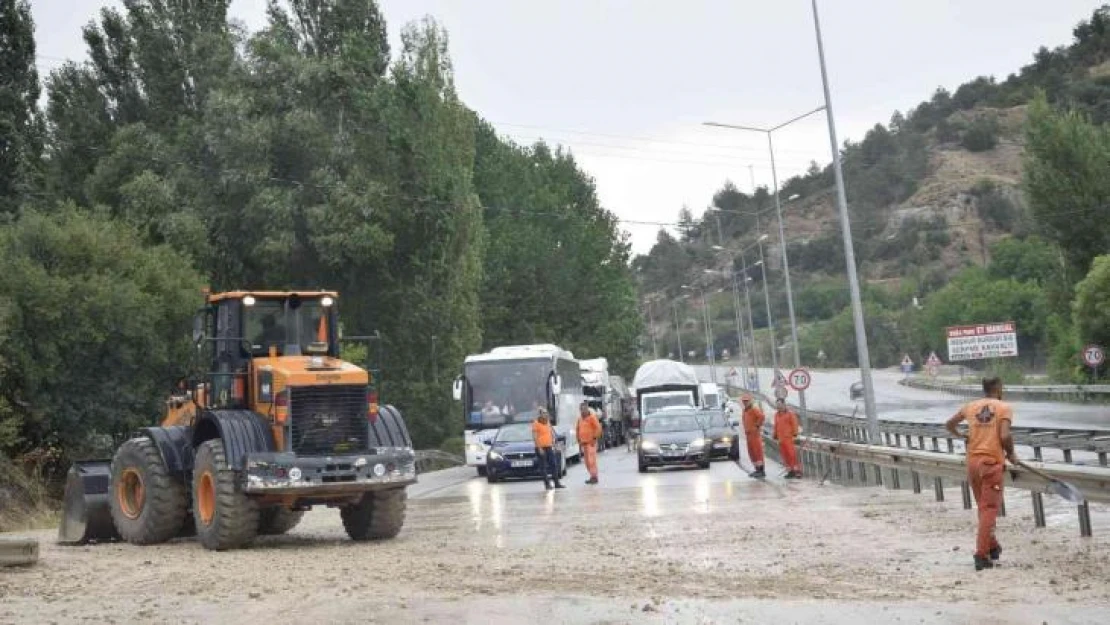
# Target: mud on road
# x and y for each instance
(693, 546)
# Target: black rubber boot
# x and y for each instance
(983, 563)
(996, 553)
(559, 485)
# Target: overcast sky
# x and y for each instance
(626, 84)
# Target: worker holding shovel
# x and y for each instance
(989, 444)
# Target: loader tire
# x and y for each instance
(379, 515)
(226, 518)
(276, 521)
(147, 503)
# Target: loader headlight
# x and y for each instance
(379, 470)
(248, 300)
(326, 301)
(361, 462)
(295, 474)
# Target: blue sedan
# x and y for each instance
(513, 454)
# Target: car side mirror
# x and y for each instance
(556, 384)
(457, 389)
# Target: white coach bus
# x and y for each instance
(509, 385)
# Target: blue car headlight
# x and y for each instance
(494, 456)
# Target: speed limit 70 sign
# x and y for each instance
(800, 379)
(1093, 355)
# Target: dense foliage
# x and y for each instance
(187, 152)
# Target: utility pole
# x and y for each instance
(677, 331)
(849, 251)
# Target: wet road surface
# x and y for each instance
(674, 546)
(829, 393)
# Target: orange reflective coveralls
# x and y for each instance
(985, 464)
(588, 431)
(753, 432)
(786, 428)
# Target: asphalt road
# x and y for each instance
(829, 393)
(674, 546)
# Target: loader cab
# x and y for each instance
(235, 329)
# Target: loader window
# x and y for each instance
(265, 326)
(294, 328)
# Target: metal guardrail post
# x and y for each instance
(850, 472)
(1038, 509)
(951, 447)
(921, 442)
(862, 473)
(938, 488)
(878, 475)
(1067, 456)
(916, 477)
(1085, 520)
(965, 488)
(895, 479)
(837, 470)
(1102, 458)
(1037, 455)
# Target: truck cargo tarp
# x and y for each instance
(664, 373)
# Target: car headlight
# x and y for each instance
(697, 442)
(726, 440)
(649, 445)
(476, 447)
(493, 455)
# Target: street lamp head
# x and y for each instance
(710, 271)
(716, 248)
(763, 238)
(755, 264)
(793, 197)
(687, 286)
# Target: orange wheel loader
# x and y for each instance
(278, 425)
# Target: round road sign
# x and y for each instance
(1093, 355)
(800, 379)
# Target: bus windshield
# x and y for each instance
(506, 391)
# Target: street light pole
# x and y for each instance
(849, 251)
(677, 331)
(751, 321)
(651, 330)
(770, 322)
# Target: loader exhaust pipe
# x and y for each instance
(86, 515)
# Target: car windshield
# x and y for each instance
(506, 391)
(718, 420)
(514, 433)
(655, 403)
(671, 423)
(711, 401)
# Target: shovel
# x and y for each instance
(1055, 486)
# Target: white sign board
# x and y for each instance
(986, 340)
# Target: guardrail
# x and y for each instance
(1058, 392)
(428, 460)
(834, 440)
(922, 435)
(850, 462)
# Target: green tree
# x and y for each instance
(94, 327)
(20, 123)
(1065, 181)
(1092, 304)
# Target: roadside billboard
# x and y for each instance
(985, 340)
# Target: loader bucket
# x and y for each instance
(86, 516)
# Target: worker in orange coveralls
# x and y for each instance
(786, 430)
(588, 430)
(753, 431)
(989, 445)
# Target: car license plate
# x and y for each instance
(674, 454)
(720, 445)
(521, 463)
